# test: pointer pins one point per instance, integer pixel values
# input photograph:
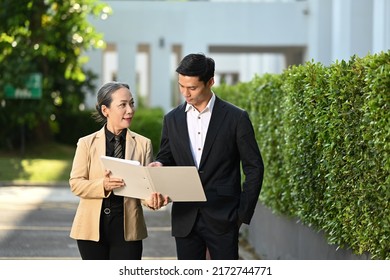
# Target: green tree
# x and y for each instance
(47, 37)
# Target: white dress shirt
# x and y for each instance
(198, 124)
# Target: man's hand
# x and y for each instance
(155, 164)
(156, 201)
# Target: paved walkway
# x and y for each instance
(36, 222)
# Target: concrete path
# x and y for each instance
(35, 224)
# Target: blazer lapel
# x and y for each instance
(217, 117)
(101, 145)
(130, 145)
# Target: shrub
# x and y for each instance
(72, 126)
(324, 135)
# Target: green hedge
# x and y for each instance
(324, 133)
(70, 127)
(148, 122)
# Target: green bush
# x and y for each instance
(324, 135)
(72, 126)
(148, 122)
(266, 113)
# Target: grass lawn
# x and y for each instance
(45, 163)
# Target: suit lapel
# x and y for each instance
(217, 117)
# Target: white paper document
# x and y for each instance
(180, 183)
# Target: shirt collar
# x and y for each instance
(110, 136)
(209, 106)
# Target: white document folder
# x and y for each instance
(180, 183)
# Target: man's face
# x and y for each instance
(194, 91)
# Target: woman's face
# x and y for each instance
(121, 111)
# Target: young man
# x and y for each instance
(217, 137)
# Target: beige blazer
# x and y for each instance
(86, 182)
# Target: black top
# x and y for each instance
(110, 140)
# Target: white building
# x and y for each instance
(147, 39)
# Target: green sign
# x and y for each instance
(32, 90)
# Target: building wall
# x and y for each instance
(197, 27)
(247, 38)
(381, 26)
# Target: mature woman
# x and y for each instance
(107, 226)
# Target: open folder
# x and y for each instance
(180, 183)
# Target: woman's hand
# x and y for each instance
(110, 183)
(156, 201)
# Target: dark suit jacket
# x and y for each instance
(230, 140)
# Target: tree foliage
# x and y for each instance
(47, 37)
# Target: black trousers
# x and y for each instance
(220, 246)
(112, 244)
